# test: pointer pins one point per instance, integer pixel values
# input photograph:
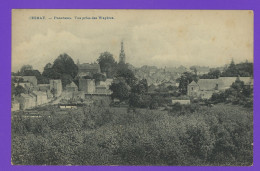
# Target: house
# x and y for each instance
(106, 83)
(41, 97)
(15, 105)
(56, 87)
(43, 87)
(31, 79)
(102, 90)
(87, 85)
(26, 101)
(204, 88)
(72, 87)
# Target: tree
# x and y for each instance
(120, 90)
(37, 74)
(213, 74)
(194, 69)
(50, 73)
(141, 87)
(185, 79)
(99, 77)
(64, 64)
(25, 67)
(66, 79)
(63, 68)
(19, 90)
(107, 64)
(13, 90)
(127, 74)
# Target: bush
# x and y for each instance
(96, 135)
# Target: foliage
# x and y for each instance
(185, 79)
(99, 135)
(26, 68)
(64, 64)
(244, 69)
(99, 77)
(213, 74)
(19, 90)
(238, 94)
(107, 64)
(120, 90)
(127, 75)
(141, 87)
(63, 68)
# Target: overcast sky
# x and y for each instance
(151, 37)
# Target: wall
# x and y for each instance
(87, 85)
(181, 101)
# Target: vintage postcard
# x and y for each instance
(132, 87)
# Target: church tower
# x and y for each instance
(122, 54)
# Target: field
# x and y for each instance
(100, 135)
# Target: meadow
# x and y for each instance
(103, 135)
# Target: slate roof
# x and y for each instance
(193, 83)
(221, 83)
(208, 84)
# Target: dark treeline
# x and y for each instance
(244, 69)
(237, 94)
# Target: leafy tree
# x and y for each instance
(213, 74)
(185, 79)
(141, 87)
(64, 64)
(37, 74)
(26, 67)
(63, 68)
(107, 64)
(238, 93)
(66, 79)
(244, 69)
(120, 90)
(194, 69)
(19, 90)
(127, 74)
(99, 77)
(51, 74)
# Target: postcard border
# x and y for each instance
(5, 68)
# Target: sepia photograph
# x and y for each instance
(132, 87)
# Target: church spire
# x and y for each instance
(122, 54)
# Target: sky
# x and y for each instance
(151, 37)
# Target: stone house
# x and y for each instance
(87, 85)
(204, 88)
(41, 97)
(102, 89)
(31, 79)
